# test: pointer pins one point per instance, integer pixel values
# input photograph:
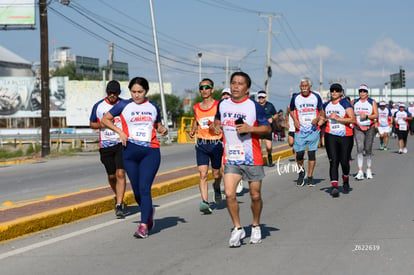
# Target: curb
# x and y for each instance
(48, 219)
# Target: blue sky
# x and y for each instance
(358, 41)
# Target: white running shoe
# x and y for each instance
(256, 236)
(236, 236)
(369, 173)
(405, 150)
(239, 188)
(360, 175)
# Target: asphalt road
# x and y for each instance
(56, 176)
(305, 231)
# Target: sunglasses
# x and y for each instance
(333, 91)
(205, 87)
(113, 93)
(363, 91)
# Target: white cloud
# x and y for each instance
(386, 51)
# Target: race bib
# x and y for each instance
(235, 152)
(336, 126)
(307, 119)
(403, 127)
(108, 134)
(141, 133)
(205, 122)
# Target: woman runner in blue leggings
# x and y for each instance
(140, 120)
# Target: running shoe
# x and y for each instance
(119, 210)
(400, 151)
(237, 234)
(405, 151)
(381, 147)
(310, 182)
(217, 195)
(141, 233)
(360, 175)
(205, 208)
(151, 222)
(385, 148)
(335, 192)
(239, 188)
(345, 185)
(369, 174)
(256, 236)
(301, 179)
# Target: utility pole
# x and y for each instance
(269, 39)
(111, 61)
(44, 69)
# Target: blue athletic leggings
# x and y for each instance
(141, 164)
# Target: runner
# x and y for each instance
(410, 109)
(306, 110)
(140, 120)
(209, 146)
(110, 147)
(290, 125)
(401, 119)
(366, 111)
(338, 136)
(383, 125)
(393, 110)
(271, 115)
(242, 120)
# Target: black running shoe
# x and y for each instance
(335, 192)
(119, 210)
(310, 182)
(345, 186)
(301, 179)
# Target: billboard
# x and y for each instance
(17, 12)
(21, 96)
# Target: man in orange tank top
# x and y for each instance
(209, 146)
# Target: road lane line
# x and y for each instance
(86, 230)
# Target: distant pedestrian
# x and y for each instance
(110, 147)
(141, 148)
(402, 118)
(394, 109)
(290, 125)
(242, 120)
(225, 93)
(338, 136)
(209, 146)
(306, 110)
(384, 125)
(279, 126)
(366, 112)
(410, 109)
(271, 115)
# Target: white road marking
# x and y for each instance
(86, 230)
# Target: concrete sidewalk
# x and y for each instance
(16, 221)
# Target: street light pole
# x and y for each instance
(199, 66)
(164, 108)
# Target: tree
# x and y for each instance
(68, 70)
(174, 105)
